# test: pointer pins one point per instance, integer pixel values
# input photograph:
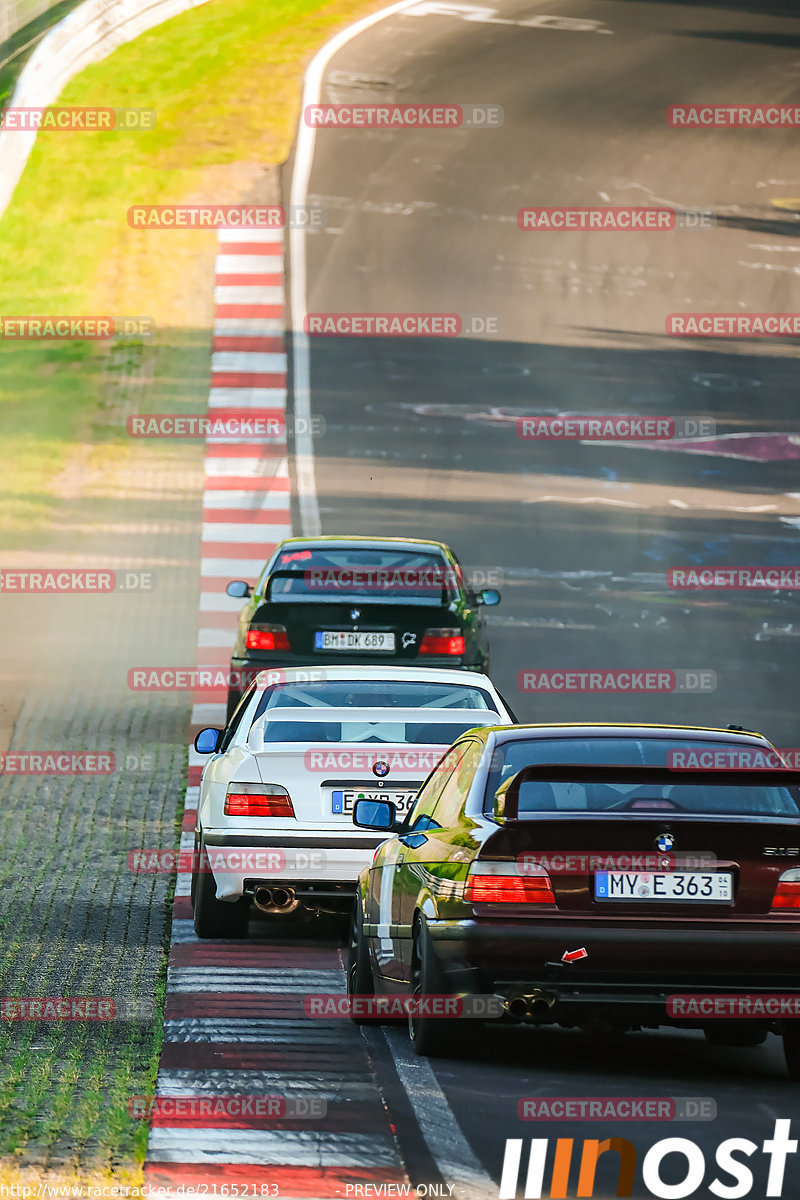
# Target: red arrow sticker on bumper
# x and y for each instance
(574, 955)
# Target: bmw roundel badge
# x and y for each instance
(355, 613)
(664, 842)
(381, 769)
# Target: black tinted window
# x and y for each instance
(682, 796)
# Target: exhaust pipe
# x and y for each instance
(275, 900)
(533, 1004)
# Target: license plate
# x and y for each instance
(343, 801)
(328, 639)
(678, 886)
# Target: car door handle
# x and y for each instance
(398, 862)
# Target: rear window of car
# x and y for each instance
(354, 573)
(356, 693)
(538, 796)
(368, 733)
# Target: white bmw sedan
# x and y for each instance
(274, 818)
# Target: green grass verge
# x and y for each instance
(225, 82)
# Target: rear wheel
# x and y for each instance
(215, 918)
(433, 1037)
(735, 1033)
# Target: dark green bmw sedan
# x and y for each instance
(359, 600)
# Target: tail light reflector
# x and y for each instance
(508, 883)
(267, 637)
(787, 893)
(442, 641)
(258, 800)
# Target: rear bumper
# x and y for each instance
(634, 971)
(274, 859)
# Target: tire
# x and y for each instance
(360, 980)
(431, 1037)
(735, 1033)
(791, 1048)
(215, 918)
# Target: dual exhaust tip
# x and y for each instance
(531, 1005)
(275, 900)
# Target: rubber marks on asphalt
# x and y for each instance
(235, 1027)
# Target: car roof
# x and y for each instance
(377, 672)
(333, 542)
(576, 730)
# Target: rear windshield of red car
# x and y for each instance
(685, 795)
(365, 575)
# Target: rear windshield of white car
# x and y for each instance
(538, 796)
(361, 574)
(375, 694)
(367, 733)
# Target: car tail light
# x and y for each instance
(508, 883)
(267, 637)
(258, 800)
(442, 641)
(787, 893)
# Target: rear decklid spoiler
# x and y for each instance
(506, 799)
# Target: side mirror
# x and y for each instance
(489, 596)
(239, 589)
(207, 740)
(375, 814)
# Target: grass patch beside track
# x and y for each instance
(225, 82)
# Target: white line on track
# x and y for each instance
(452, 1152)
(308, 502)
